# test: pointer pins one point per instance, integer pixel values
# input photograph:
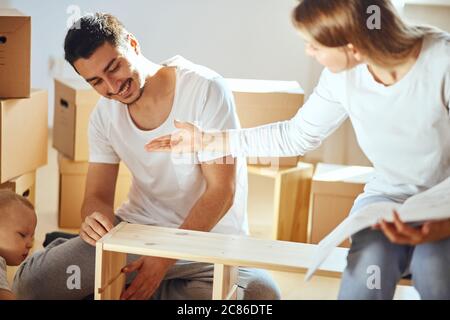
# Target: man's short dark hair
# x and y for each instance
(89, 33)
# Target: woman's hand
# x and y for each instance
(400, 233)
(186, 140)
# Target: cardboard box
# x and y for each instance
(15, 52)
(278, 202)
(260, 102)
(23, 135)
(334, 188)
(25, 185)
(74, 102)
(72, 185)
(341, 147)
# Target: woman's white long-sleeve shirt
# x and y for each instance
(403, 129)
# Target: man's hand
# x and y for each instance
(94, 227)
(400, 233)
(6, 295)
(151, 271)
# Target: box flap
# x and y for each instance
(75, 83)
(21, 183)
(264, 86)
(343, 173)
(82, 92)
(67, 166)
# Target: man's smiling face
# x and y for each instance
(113, 71)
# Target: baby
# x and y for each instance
(17, 224)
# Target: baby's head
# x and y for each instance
(17, 224)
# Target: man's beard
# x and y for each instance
(141, 91)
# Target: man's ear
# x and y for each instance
(354, 52)
(134, 43)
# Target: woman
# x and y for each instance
(393, 82)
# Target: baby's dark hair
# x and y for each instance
(8, 197)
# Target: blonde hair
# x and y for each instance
(8, 197)
(337, 23)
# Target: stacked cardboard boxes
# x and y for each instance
(25, 185)
(74, 102)
(72, 182)
(260, 102)
(23, 111)
(334, 189)
(15, 52)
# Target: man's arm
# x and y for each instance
(217, 198)
(97, 211)
(203, 216)
(6, 295)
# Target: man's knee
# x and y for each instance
(258, 285)
(26, 282)
(63, 270)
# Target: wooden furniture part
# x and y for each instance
(287, 219)
(334, 188)
(25, 185)
(226, 252)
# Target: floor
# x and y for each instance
(292, 286)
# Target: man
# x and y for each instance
(140, 101)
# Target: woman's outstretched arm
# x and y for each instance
(317, 119)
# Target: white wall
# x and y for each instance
(238, 38)
(242, 39)
(438, 16)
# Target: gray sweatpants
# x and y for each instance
(48, 274)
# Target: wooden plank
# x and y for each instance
(225, 282)
(224, 251)
(220, 248)
(109, 280)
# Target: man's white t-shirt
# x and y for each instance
(166, 186)
(403, 129)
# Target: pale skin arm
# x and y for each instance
(203, 216)
(189, 139)
(6, 295)
(97, 211)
